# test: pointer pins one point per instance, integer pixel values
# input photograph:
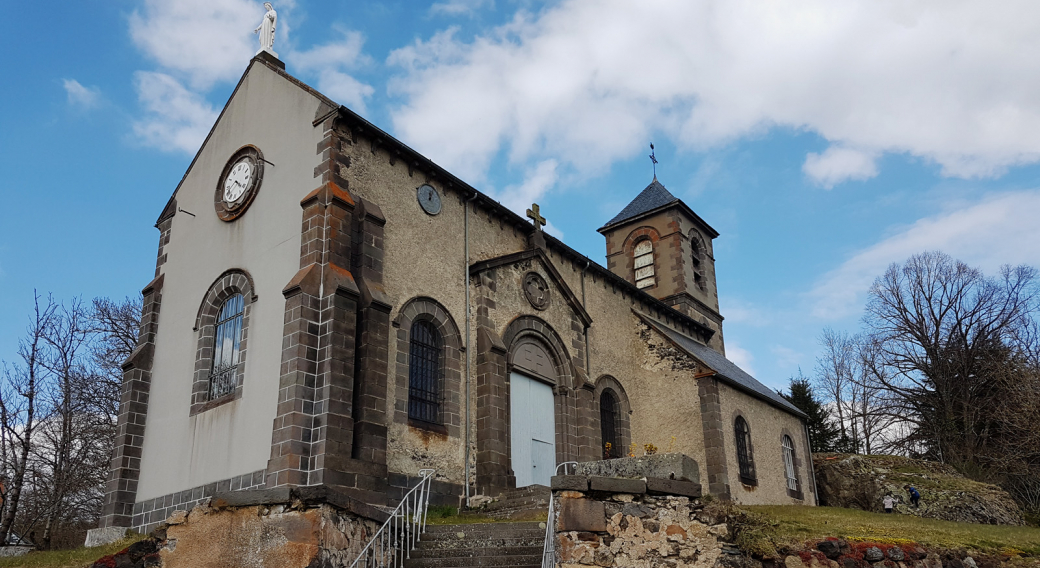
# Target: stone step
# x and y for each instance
(498, 561)
(449, 542)
(485, 528)
(525, 491)
(529, 500)
(476, 552)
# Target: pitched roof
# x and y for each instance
(725, 369)
(655, 195)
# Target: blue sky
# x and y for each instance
(823, 140)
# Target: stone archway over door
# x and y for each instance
(532, 430)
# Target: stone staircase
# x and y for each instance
(500, 545)
(519, 504)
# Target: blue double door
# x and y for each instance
(532, 430)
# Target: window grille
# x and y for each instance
(792, 477)
(744, 458)
(424, 373)
(644, 264)
(223, 378)
(608, 423)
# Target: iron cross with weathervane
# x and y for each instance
(535, 217)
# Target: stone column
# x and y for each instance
(121, 487)
(313, 428)
(714, 440)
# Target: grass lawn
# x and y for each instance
(792, 524)
(451, 516)
(75, 558)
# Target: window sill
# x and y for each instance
(753, 482)
(211, 404)
(429, 426)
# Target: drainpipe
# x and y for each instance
(588, 364)
(465, 284)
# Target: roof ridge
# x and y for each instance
(653, 196)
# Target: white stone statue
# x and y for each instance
(266, 30)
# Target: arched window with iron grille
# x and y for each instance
(744, 457)
(610, 428)
(424, 373)
(788, 448)
(223, 377)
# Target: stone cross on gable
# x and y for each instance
(535, 217)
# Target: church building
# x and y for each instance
(330, 307)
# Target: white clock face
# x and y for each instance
(238, 180)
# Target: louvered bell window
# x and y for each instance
(223, 378)
(744, 458)
(609, 411)
(788, 448)
(424, 373)
(644, 264)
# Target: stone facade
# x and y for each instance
(339, 260)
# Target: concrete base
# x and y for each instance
(107, 535)
(665, 466)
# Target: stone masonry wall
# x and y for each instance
(640, 523)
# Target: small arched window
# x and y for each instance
(745, 460)
(424, 373)
(699, 263)
(223, 377)
(610, 428)
(788, 448)
(643, 255)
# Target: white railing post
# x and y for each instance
(401, 531)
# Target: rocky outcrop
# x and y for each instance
(861, 482)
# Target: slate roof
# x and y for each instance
(655, 195)
(726, 370)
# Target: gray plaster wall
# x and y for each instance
(767, 425)
(182, 451)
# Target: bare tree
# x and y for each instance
(942, 329)
(20, 397)
(835, 375)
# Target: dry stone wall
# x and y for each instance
(636, 523)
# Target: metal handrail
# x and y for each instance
(394, 541)
(549, 549)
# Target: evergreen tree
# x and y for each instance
(823, 434)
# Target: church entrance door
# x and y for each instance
(532, 430)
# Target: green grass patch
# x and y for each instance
(74, 558)
(452, 516)
(791, 525)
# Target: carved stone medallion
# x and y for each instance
(536, 290)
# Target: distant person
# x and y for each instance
(915, 497)
(889, 503)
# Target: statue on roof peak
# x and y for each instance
(266, 30)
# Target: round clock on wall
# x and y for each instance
(429, 199)
(239, 183)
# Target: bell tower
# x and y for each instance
(666, 250)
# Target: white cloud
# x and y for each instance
(1002, 229)
(80, 96)
(740, 356)
(205, 41)
(838, 164)
(459, 7)
(330, 63)
(952, 82)
(176, 119)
